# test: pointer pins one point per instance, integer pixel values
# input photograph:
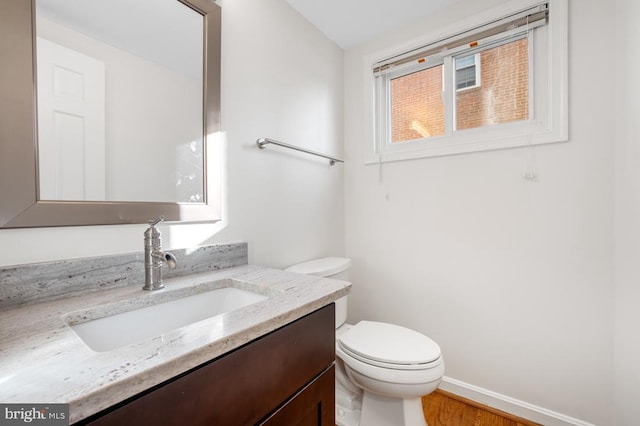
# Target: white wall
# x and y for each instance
(627, 302)
(281, 79)
(514, 279)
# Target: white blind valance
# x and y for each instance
(526, 19)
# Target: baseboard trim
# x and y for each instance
(508, 404)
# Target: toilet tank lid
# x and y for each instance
(322, 267)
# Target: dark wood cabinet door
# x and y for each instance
(314, 405)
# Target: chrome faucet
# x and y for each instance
(154, 257)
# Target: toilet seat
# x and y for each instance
(368, 350)
(389, 346)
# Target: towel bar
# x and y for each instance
(262, 142)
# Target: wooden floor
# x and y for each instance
(442, 408)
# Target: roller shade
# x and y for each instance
(526, 19)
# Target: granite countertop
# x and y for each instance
(42, 360)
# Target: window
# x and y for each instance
(504, 96)
(467, 72)
(417, 109)
(500, 84)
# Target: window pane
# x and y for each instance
(466, 61)
(503, 95)
(466, 77)
(417, 110)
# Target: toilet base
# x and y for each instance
(348, 398)
(378, 410)
(348, 408)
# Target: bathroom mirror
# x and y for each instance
(116, 128)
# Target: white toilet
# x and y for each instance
(382, 370)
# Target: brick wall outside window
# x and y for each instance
(503, 94)
(417, 110)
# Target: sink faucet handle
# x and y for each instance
(154, 222)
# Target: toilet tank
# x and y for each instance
(328, 267)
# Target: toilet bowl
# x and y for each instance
(382, 370)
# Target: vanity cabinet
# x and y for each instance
(286, 377)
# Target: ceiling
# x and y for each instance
(166, 32)
(352, 22)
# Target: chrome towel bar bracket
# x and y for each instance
(262, 142)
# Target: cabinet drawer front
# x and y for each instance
(243, 386)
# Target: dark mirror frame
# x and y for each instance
(19, 204)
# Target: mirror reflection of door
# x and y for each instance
(71, 124)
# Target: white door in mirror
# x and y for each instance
(71, 124)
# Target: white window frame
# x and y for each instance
(548, 97)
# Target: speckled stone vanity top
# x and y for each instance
(42, 360)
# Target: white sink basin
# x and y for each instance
(139, 323)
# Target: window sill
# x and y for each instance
(505, 136)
